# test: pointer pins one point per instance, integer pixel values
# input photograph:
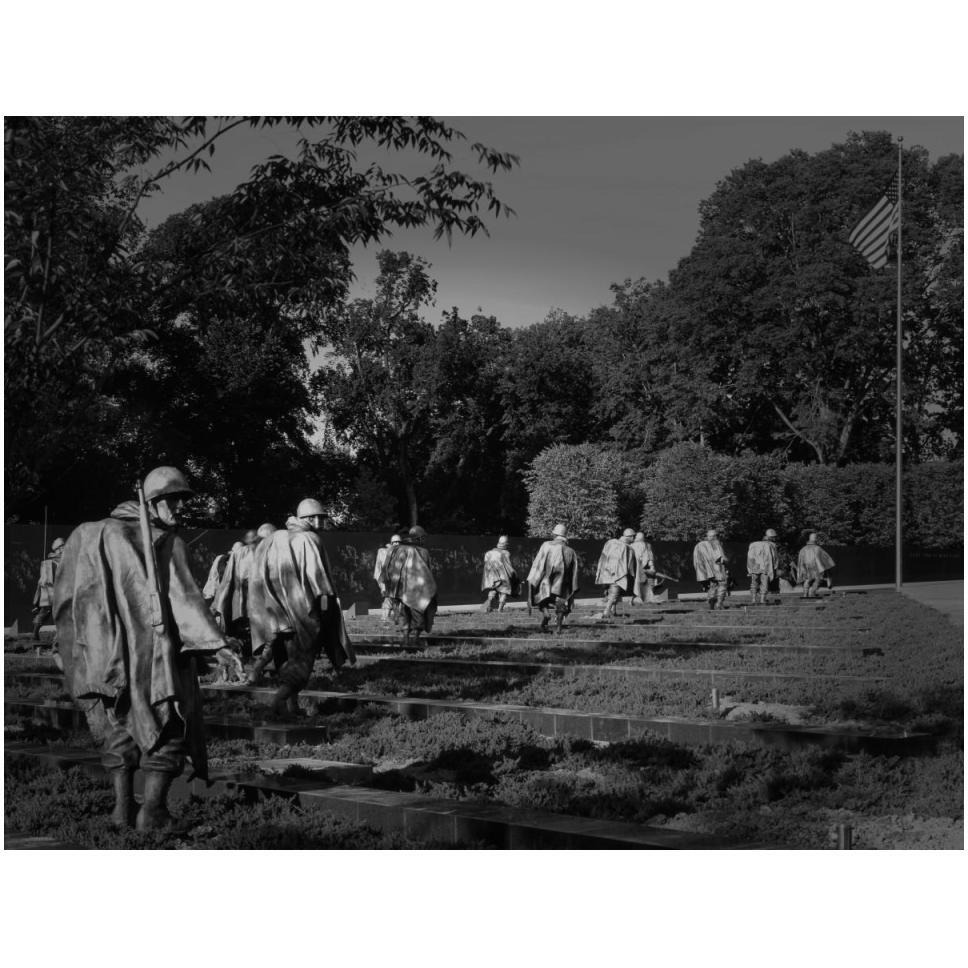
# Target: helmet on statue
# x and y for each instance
(165, 481)
(309, 507)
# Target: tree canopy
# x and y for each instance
(770, 344)
(108, 325)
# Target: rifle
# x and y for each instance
(159, 627)
(530, 597)
(661, 577)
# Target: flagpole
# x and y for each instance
(899, 440)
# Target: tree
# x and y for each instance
(547, 391)
(88, 289)
(623, 352)
(467, 469)
(378, 382)
(774, 315)
(577, 486)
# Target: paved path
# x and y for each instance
(947, 597)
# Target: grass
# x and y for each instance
(742, 793)
(919, 653)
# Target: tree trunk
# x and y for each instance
(403, 462)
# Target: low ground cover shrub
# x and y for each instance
(71, 806)
(917, 649)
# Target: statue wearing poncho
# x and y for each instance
(617, 568)
(709, 560)
(411, 586)
(762, 560)
(293, 610)
(553, 579)
(499, 579)
(43, 603)
(215, 573)
(135, 686)
(644, 572)
(378, 568)
(812, 564)
(231, 600)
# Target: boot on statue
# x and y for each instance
(125, 809)
(154, 813)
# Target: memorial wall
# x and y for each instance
(457, 561)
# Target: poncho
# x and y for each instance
(643, 555)
(762, 558)
(499, 572)
(381, 559)
(231, 597)
(812, 562)
(108, 646)
(709, 560)
(214, 576)
(617, 565)
(645, 562)
(291, 590)
(409, 581)
(554, 572)
(44, 595)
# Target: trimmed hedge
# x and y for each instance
(689, 488)
(576, 486)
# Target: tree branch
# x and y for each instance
(171, 168)
(799, 433)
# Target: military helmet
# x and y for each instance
(559, 531)
(265, 530)
(164, 481)
(640, 536)
(628, 533)
(417, 532)
(308, 507)
(770, 533)
(502, 542)
(57, 544)
(395, 539)
(711, 533)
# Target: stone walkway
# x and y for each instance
(947, 597)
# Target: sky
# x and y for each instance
(597, 200)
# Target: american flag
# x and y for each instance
(872, 234)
